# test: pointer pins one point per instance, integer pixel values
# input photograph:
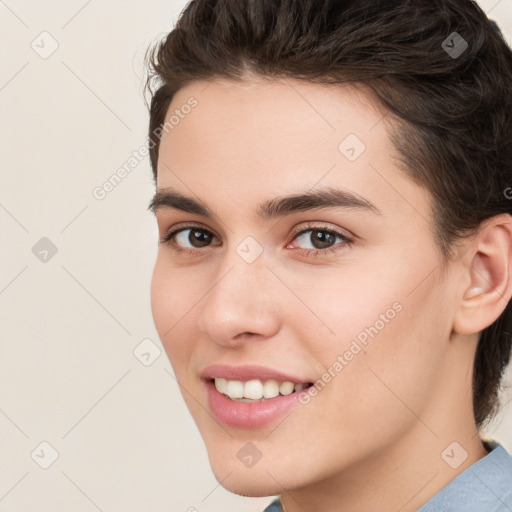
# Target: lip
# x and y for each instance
(243, 414)
(249, 415)
(248, 372)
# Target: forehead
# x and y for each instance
(274, 118)
(257, 138)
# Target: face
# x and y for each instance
(341, 289)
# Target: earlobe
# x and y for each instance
(490, 276)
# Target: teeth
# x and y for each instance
(286, 388)
(235, 389)
(220, 384)
(255, 389)
(271, 389)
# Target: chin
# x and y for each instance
(245, 483)
(258, 481)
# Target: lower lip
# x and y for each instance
(249, 415)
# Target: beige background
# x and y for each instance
(69, 326)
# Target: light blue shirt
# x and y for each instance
(486, 486)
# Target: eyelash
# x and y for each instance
(168, 239)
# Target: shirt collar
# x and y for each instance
(486, 486)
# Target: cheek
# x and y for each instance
(391, 360)
(340, 304)
(172, 297)
(380, 334)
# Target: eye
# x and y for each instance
(188, 239)
(196, 237)
(318, 240)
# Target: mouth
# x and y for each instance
(254, 403)
(251, 396)
(256, 390)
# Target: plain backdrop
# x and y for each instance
(90, 415)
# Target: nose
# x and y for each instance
(241, 305)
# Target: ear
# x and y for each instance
(488, 264)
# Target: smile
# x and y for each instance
(256, 390)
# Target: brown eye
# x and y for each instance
(189, 238)
(196, 237)
(322, 239)
(319, 238)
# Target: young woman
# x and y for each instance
(334, 276)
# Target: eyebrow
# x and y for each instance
(168, 198)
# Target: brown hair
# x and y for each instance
(453, 103)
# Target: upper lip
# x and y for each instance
(248, 372)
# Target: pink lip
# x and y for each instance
(249, 415)
(247, 372)
(243, 414)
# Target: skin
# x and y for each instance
(372, 439)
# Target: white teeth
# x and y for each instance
(255, 389)
(271, 389)
(234, 389)
(220, 384)
(286, 388)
